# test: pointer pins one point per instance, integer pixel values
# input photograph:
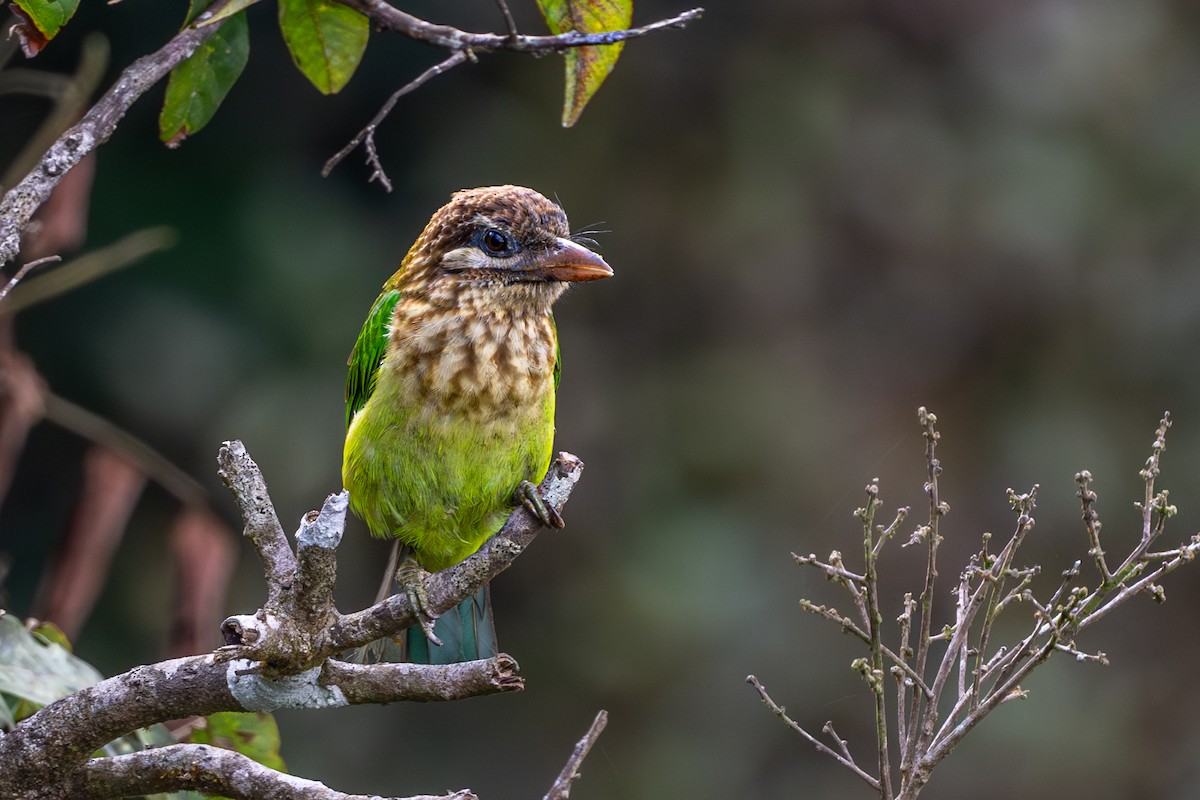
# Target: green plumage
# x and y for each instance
(450, 395)
(368, 353)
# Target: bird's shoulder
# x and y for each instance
(368, 353)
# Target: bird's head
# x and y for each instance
(497, 247)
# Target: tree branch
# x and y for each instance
(386, 683)
(281, 657)
(388, 17)
(212, 770)
(561, 789)
(778, 710)
(93, 129)
(243, 477)
(366, 136)
(464, 46)
(448, 588)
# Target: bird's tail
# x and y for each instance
(384, 649)
(467, 633)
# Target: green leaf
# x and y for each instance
(326, 40)
(48, 15)
(254, 735)
(52, 634)
(198, 85)
(37, 668)
(587, 67)
(35, 671)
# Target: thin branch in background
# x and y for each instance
(780, 712)
(71, 95)
(21, 406)
(94, 128)
(72, 581)
(561, 789)
(149, 461)
(366, 136)
(203, 552)
(974, 676)
(124, 252)
(23, 271)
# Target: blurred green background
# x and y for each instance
(823, 214)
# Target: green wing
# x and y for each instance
(368, 353)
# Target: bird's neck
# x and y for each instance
(470, 358)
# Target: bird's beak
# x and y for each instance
(568, 261)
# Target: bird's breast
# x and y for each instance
(482, 366)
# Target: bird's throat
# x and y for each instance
(481, 364)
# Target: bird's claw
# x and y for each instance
(412, 578)
(531, 497)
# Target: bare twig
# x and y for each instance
(69, 93)
(366, 136)
(1091, 522)
(814, 741)
(990, 583)
(843, 746)
(561, 789)
(88, 267)
(873, 671)
(464, 46)
(932, 539)
(388, 17)
(509, 22)
(23, 271)
(243, 477)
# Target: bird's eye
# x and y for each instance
(496, 242)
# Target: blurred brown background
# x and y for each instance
(823, 214)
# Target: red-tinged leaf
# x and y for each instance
(198, 85)
(587, 67)
(48, 16)
(326, 40)
(32, 40)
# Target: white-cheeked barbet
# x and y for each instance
(450, 394)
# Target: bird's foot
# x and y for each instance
(531, 497)
(411, 578)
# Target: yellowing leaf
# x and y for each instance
(326, 40)
(198, 85)
(228, 10)
(587, 67)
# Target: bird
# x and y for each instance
(450, 397)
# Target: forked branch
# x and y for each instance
(957, 668)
